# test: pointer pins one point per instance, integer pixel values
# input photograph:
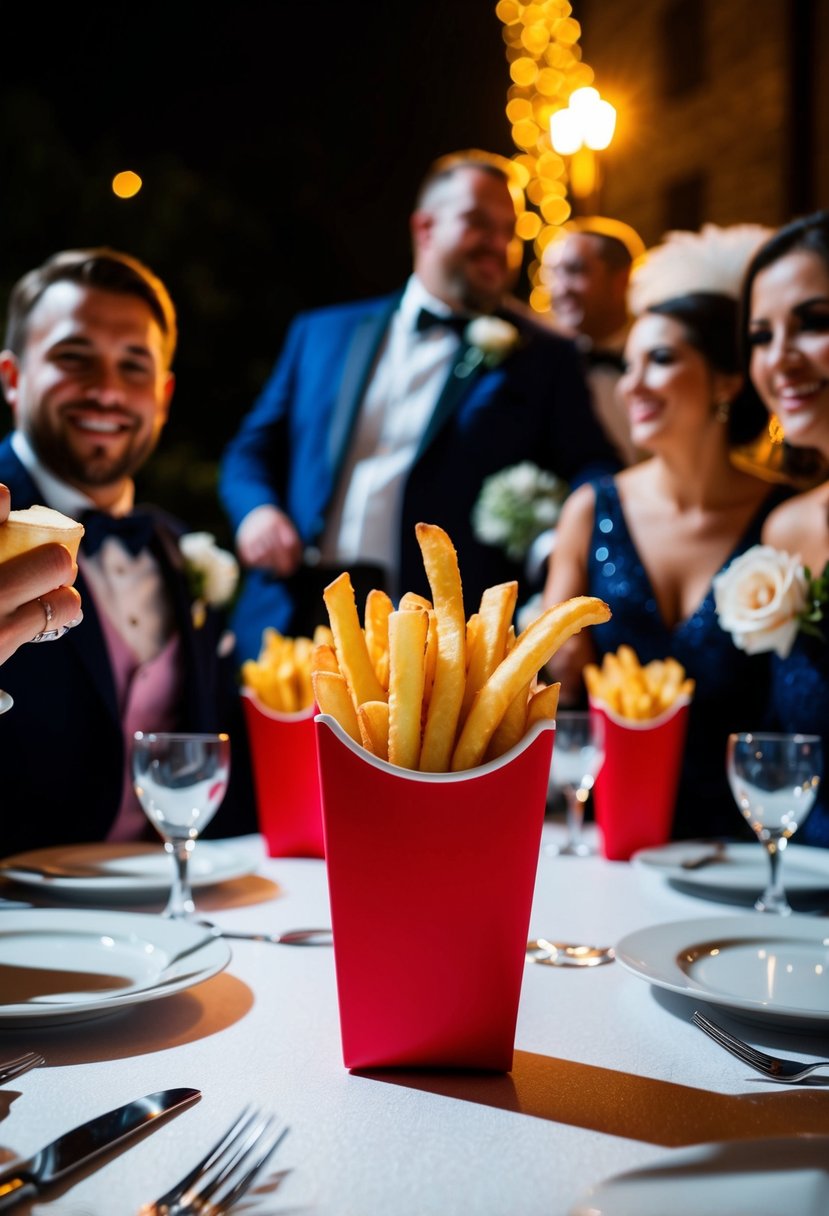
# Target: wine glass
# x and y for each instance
(180, 781)
(578, 754)
(774, 779)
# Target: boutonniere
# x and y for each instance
(490, 340)
(766, 597)
(516, 505)
(212, 573)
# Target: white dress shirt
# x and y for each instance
(129, 589)
(408, 378)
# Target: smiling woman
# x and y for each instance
(786, 307)
(650, 540)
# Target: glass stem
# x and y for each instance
(180, 904)
(575, 816)
(774, 898)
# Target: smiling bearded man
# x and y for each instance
(87, 374)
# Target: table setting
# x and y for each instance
(612, 1092)
(455, 1000)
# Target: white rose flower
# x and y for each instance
(515, 505)
(759, 599)
(493, 336)
(213, 572)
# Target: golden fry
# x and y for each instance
(543, 703)
(332, 696)
(373, 721)
(407, 672)
(378, 609)
(533, 649)
(495, 617)
(324, 658)
(441, 563)
(511, 727)
(281, 676)
(412, 600)
(635, 691)
(350, 643)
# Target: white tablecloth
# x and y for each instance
(609, 1073)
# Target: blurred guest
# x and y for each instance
(42, 574)
(786, 310)
(650, 540)
(90, 340)
(588, 270)
(382, 413)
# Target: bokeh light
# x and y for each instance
(546, 68)
(126, 184)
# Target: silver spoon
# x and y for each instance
(566, 954)
(292, 937)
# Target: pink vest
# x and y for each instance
(147, 694)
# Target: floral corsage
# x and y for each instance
(490, 341)
(212, 573)
(766, 597)
(515, 506)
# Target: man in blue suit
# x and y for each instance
(384, 413)
(90, 340)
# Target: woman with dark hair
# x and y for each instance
(650, 540)
(786, 324)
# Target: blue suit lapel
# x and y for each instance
(361, 355)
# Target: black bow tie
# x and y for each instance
(426, 319)
(605, 358)
(134, 531)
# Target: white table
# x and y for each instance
(609, 1074)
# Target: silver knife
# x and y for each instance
(22, 1179)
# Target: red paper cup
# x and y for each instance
(635, 790)
(284, 757)
(431, 879)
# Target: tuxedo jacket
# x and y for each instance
(289, 450)
(61, 746)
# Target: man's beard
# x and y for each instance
(95, 470)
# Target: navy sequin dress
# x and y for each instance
(732, 688)
(800, 701)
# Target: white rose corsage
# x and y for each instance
(766, 596)
(516, 505)
(212, 573)
(490, 340)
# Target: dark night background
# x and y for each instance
(280, 146)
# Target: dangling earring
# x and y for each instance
(722, 409)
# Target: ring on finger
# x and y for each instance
(47, 634)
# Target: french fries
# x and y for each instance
(633, 690)
(425, 688)
(281, 676)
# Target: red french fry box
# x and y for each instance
(635, 791)
(431, 879)
(283, 750)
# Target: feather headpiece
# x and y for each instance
(713, 259)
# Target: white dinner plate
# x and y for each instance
(743, 871)
(761, 1177)
(762, 967)
(68, 965)
(123, 873)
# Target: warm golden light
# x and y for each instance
(126, 184)
(588, 121)
(554, 111)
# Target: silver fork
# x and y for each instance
(10, 1069)
(227, 1171)
(775, 1068)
